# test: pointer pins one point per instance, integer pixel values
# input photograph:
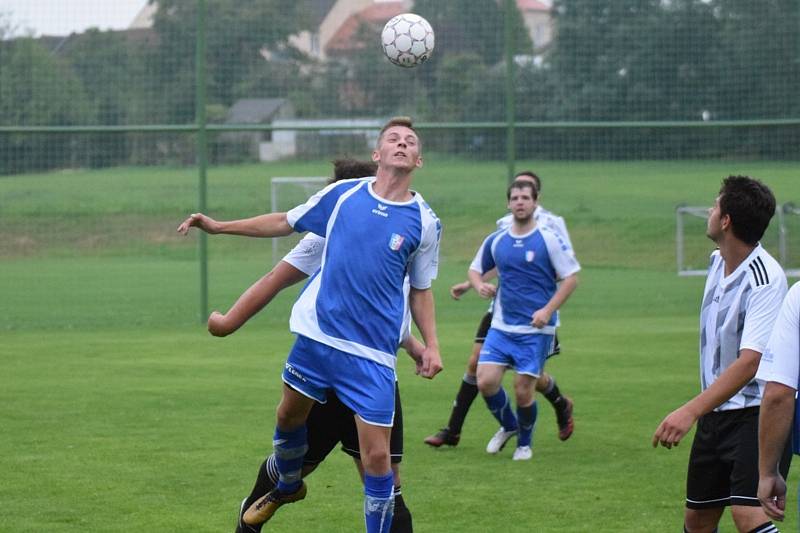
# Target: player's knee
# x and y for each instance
(375, 463)
(748, 518)
(701, 520)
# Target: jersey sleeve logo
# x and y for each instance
(396, 241)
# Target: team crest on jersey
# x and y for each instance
(396, 241)
(529, 255)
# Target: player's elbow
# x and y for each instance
(778, 397)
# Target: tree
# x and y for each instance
(38, 90)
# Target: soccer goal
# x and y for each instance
(286, 193)
(782, 239)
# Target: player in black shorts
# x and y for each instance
(468, 390)
(328, 425)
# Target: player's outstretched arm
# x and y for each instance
(269, 225)
(424, 315)
(678, 423)
(254, 299)
(774, 424)
(542, 316)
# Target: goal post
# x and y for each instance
(286, 193)
(692, 246)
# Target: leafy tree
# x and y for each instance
(239, 34)
(469, 26)
(37, 90)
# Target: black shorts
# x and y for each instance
(333, 422)
(486, 323)
(723, 464)
(483, 328)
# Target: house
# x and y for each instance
(255, 111)
(537, 16)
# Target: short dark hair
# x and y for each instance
(533, 175)
(347, 168)
(522, 185)
(397, 121)
(750, 205)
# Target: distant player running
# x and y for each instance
(330, 423)
(350, 314)
(743, 292)
(546, 384)
(530, 260)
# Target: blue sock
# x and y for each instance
(378, 502)
(501, 409)
(290, 448)
(527, 421)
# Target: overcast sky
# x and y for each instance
(62, 17)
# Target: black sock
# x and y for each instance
(401, 522)
(716, 529)
(553, 395)
(264, 480)
(466, 394)
(766, 527)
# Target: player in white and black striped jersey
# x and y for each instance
(743, 292)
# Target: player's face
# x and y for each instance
(521, 204)
(399, 149)
(714, 224)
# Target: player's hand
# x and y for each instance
(487, 290)
(673, 428)
(201, 221)
(217, 324)
(772, 495)
(541, 318)
(458, 290)
(431, 363)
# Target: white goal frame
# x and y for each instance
(318, 182)
(781, 212)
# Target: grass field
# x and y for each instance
(119, 412)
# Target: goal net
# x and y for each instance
(286, 193)
(693, 247)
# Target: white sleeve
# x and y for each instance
(561, 227)
(561, 254)
(306, 256)
(477, 261)
(762, 310)
(781, 360)
(424, 265)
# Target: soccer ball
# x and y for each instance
(407, 40)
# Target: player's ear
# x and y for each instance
(419, 162)
(376, 156)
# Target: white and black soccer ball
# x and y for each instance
(407, 40)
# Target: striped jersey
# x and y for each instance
(737, 313)
(355, 302)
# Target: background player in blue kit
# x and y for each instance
(546, 384)
(350, 314)
(530, 260)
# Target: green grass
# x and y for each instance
(118, 411)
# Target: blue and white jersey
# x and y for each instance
(355, 302)
(543, 218)
(306, 257)
(528, 267)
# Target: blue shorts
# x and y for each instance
(525, 353)
(364, 386)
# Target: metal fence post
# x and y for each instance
(202, 150)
